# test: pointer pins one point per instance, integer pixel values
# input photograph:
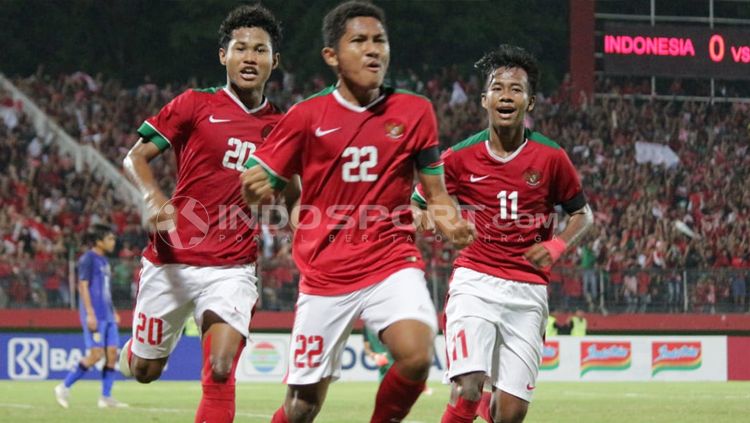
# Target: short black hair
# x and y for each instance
(334, 24)
(510, 56)
(97, 232)
(247, 16)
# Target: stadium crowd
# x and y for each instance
(669, 238)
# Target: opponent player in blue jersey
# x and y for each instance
(98, 317)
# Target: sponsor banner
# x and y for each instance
(46, 356)
(266, 358)
(635, 358)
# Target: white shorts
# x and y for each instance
(496, 326)
(168, 293)
(322, 323)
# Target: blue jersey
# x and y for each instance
(94, 269)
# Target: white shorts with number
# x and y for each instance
(322, 323)
(496, 326)
(168, 293)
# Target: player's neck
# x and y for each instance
(505, 141)
(358, 97)
(251, 99)
(98, 251)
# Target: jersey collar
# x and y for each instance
(512, 156)
(242, 105)
(353, 107)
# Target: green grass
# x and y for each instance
(714, 402)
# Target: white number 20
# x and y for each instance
(362, 160)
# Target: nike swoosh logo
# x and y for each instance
(529, 387)
(319, 132)
(473, 178)
(214, 120)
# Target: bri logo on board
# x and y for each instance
(550, 355)
(675, 356)
(605, 356)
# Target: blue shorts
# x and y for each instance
(105, 336)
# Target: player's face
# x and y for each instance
(249, 58)
(108, 243)
(507, 97)
(362, 54)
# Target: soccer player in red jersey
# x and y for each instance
(356, 147)
(200, 259)
(497, 300)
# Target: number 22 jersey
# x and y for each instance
(212, 133)
(357, 168)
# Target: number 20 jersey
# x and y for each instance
(357, 168)
(212, 133)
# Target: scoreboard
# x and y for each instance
(676, 51)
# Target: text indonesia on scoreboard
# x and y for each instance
(688, 51)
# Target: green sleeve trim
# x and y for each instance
(277, 182)
(418, 199)
(541, 139)
(151, 134)
(437, 170)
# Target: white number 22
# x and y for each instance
(362, 160)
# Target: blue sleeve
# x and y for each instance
(85, 268)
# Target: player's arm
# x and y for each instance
(83, 291)
(444, 211)
(546, 253)
(137, 169)
(292, 194)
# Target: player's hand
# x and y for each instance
(161, 214)
(422, 219)
(256, 186)
(91, 321)
(463, 234)
(538, 256)
(380, 359)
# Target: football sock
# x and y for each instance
(463, 412)
(218, 400)
(279, 416)
(483, 410)
(395, 397)
(108, 379)
(75, 374)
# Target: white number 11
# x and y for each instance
(504, 197)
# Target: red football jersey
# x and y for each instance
(212, 133)
(511, 201)
(357, 170)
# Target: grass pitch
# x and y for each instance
(714, 402)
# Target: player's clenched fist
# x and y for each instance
(463, 234)
(256, 187)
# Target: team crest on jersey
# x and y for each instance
(532, 177)
(394, 130)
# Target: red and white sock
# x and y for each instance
(395, 397)
(217, 402)
(483, 410)
(463, 412)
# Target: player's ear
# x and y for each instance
(329, 56)
(484, 99)
(276, 59)
(222, 57)
(532, 102)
